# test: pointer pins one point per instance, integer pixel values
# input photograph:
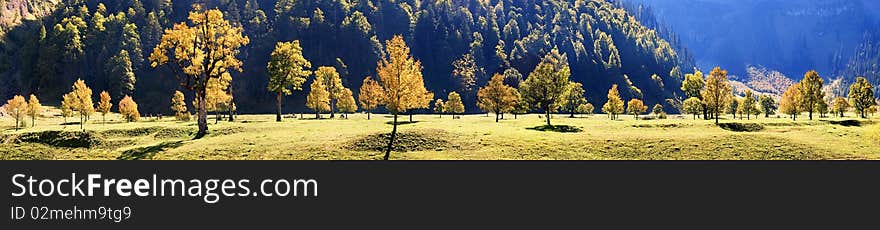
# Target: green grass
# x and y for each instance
(473, 137)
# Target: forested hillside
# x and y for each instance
(461, 44)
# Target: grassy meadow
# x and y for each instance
(472, 137)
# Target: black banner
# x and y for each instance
(447, 194)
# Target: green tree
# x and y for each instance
(768, 105)
(200, 51)
(573, 98)
(692, 105)
(122, 75)
(546, 85)
(586, 108)
(861, 96)
(811, 91)
(288, 70)
(749, 104)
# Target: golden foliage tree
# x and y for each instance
(791, 101)
(370, 95)
(586, 108)
(81, 101)
(749, 104)
(811, 91)
(202, 50)
(17, 107)
(318, 99)
(332, 84)
(614, 105)
(496, 97)
(288, 70)
(178, 105)
(104, 106)
(347, 103)
(129, 109)
(400, 76)
(635, 107)
(453, 104)
(34, 109)
(717, 92)
(439, 107)
(840, 106)
(217, 96)
(67, 106)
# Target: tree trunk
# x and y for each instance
(34, 121)
(231, 114)
(278, 107)
(547, 110)
(202, 114)
(410, 116)
(391, 140)
(332, 103)
(496, 117)
(716, 117)
(514, 116)
(368, 115)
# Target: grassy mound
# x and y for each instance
(403, 142)
(76, 139)
(167, 133)
(557, 128)
(136, 132)
(847, 123)
(741, 127)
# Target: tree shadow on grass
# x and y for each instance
(401, 122)
(557, 128)
(149, 151)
